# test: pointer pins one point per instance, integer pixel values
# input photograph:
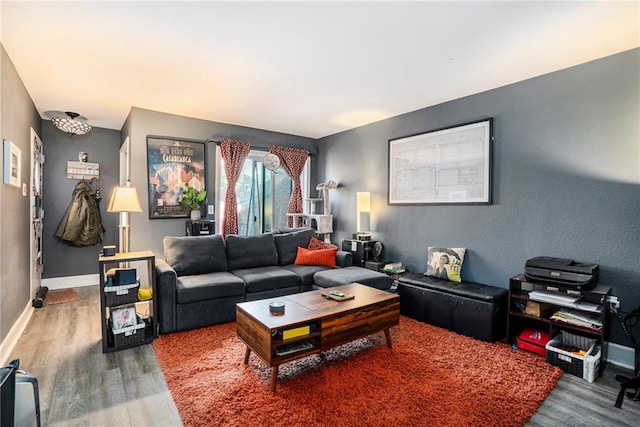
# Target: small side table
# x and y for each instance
(151, 327)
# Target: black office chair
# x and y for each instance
(629, 387)
(19, 398)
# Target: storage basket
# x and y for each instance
(123, 294)
(128, 336)
(587, 366)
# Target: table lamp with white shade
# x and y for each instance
(363, 219)
(124, 200)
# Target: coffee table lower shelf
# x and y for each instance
(295, 356)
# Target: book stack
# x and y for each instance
(394, 268)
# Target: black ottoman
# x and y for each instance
(472, 309)
(342, 276)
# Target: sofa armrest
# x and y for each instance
(166, 282)
(344, 259)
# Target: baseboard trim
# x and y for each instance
(621, 356)
(10, 341)
(71, 281)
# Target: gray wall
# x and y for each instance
(102, 145)
(566, 164)
(19, 115)
(147, 234)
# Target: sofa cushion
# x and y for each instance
(305, 272)
(267, 278)
(342, 276)
(287, 244)
(326, 257)
(445, 263)
(195, 254)
(202, 287)
(251, 251)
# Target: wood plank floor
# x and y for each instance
(81, 386)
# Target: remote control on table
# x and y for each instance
(336, 293)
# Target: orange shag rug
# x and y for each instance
(431, 377)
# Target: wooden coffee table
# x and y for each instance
(312, 323)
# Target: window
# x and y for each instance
(263, 196)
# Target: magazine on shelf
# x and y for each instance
(295, 347)
(553, 297)
(565, 300)
(577, 318)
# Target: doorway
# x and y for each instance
(36, 213)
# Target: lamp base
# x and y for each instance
(124, 238)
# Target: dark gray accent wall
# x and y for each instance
(19, 115)
(566, 168)
(147, 234)
(102, 145)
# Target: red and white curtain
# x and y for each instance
(234, 153)
(292, 161)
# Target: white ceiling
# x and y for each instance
(305, 68)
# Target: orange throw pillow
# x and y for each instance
(325, 257)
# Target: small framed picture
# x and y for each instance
(123, 317)
(12, 164)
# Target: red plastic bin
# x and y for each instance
(533, 340)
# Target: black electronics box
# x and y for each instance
(361, 250)
(109, 250)
(375, 265)
(122, 276)
(202, 227)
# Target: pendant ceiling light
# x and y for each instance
(71, 123)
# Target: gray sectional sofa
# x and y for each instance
(201, 278)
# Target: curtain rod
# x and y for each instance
(218, 141)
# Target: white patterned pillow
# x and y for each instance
(445, 263)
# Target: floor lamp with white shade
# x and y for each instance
(124, 200)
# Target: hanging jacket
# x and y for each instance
(82, 224)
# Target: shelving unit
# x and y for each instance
(517, 320)
(151, 324)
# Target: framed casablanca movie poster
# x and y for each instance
(172, 166)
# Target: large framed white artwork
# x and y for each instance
(444, 166)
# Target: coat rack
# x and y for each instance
(83, 170)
